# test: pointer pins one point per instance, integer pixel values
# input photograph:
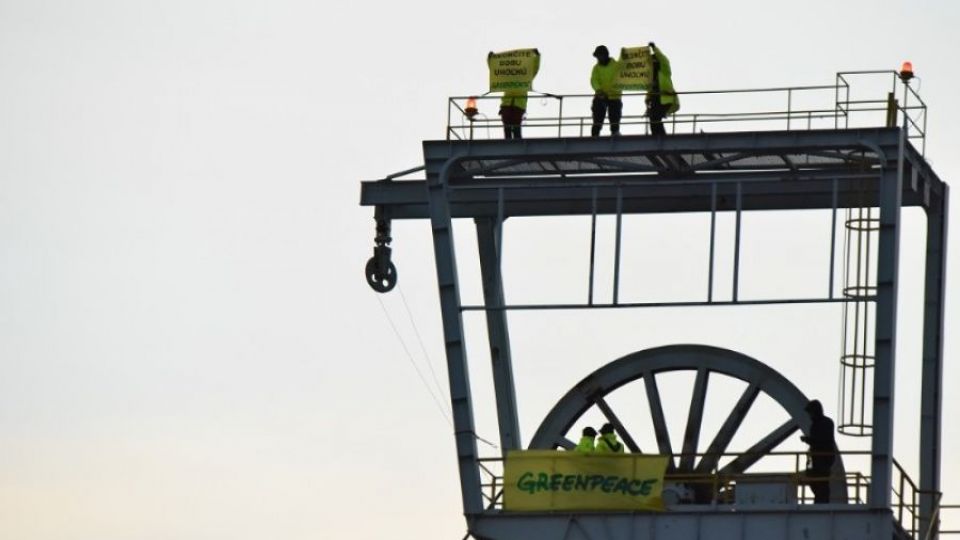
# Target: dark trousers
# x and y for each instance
(512, 117)
(599, 109)
(655, 112)
(818, 478)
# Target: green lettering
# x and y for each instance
(582, 482)
(647, 486)
(568, 482)
(595, 481)
(525, 483)
(622, 486)
(542, 480)
(609, 483)
(506, 85)
(555, 482)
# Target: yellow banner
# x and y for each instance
(636, 69)
(513, 70)
(543, 480)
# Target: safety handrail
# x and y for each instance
(905, 501)
(857, 483)
(836, 112)
(937, 516)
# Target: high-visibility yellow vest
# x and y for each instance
(668, 95)
(585, 446)
(518, 98)
(514, 98)
(608, 444)
(602, 79)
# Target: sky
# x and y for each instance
(188, 348)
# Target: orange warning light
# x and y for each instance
(906, 71)
(471, 108)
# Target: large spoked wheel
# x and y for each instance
(706, 363)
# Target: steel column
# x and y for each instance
(885, 336)
(488, 242)
(458, 374)
(931, 393)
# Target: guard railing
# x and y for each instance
(868, 102)
(789, 467)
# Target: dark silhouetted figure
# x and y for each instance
(823, 452)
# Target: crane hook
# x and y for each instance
(380, 271)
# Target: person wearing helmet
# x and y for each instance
(608, 443)
(823, 452)
(606, 95)
(661, 99)
(586, 444)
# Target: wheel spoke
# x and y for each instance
(728, 429)
(756, 452)
(612, 418)
(656, 413)
(691, 437)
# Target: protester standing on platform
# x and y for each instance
(823, 452)
(606, 96)
(661, 99)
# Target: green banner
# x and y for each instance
(513, 70)
(636, 69)
(545, 480)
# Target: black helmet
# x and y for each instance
(589, 432)
(814, 408)
(606, 428)
(601, 51)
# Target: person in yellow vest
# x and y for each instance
(606, 96)
(608, 443)
(513, 105)
(586, 444)
(661, 99)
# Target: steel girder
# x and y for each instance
(772, 186)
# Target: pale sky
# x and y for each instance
(188, 349)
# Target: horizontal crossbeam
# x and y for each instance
(552, 177)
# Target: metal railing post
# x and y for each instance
(900, 501)
(560, 118)
(616, 264)
(593, 244)
(836, 102)
(713, 234)
(789, 106)
(833, 237)
(736, 244)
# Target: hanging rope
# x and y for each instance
(423, 348)
(413, 363)
(416, 368)
(484, 441)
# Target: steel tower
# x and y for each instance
(835, 168)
